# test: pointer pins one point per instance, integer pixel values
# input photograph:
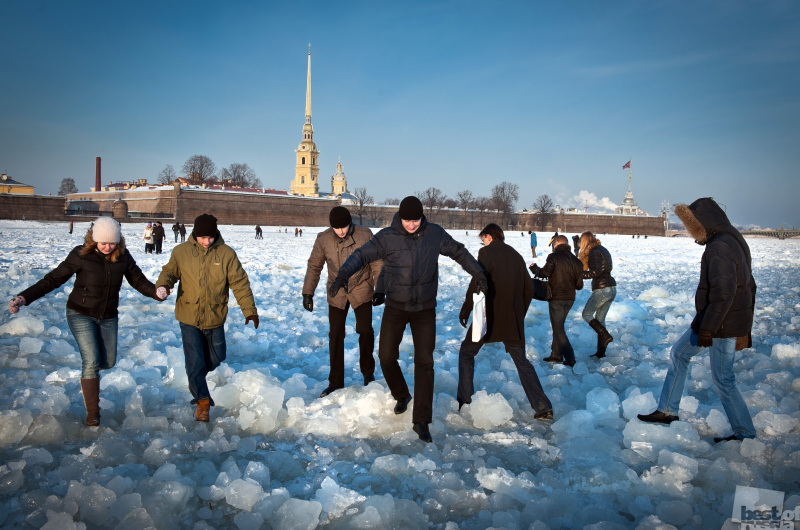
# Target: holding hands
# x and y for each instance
(15, 304)
(162, 293)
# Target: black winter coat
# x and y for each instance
(97, 282)
(410, 262)
(565, 273)
(600, 266)
(726, 294)
(509, 295)
(158, 233)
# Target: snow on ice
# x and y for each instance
(276, 456)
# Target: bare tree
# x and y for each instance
(482, 204)
(504, 196)
(67, 186)
(465, 202)
(392, 201)
(449, 203)
(432, 200)
(167, 175)
(543, 210)
(199, 169)
(362, 199)
(240, 175)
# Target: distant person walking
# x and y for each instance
(148, 239)
(597, 267)
(99, 265)
(565, 273)
(71, 225)
(533, 242)
(183, 232)
(158, 236)
(176, 229)
(508, 296)
(259, 233)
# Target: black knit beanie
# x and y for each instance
(410, 209)
(340, 217)
(205, 226)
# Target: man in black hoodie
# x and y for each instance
(410, 250)
(724, 301)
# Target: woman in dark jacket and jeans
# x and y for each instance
(597, 267)
(99, 266)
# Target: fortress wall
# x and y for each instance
(33, 207)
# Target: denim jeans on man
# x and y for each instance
(722, 354)
(598, 304)
(561, 348)
(204, 350)
(527, 374)
(97, 342)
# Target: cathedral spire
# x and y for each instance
(308, 87)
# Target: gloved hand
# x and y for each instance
(704, 338)
(308, 302)
(463, 317)
(15, 304)
(378, 299)
(253, 319)
(162, 293)
(482, 287)
(338, 283)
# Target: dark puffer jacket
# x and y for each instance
(565, 273)
(97, 281)
(726, 294)
(600, 266)
(411, 262)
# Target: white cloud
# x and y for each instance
(585, 198)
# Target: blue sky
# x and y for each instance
(552, 96)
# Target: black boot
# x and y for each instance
(603, 336)
(91, 399)
(422, 430)
(601, 349)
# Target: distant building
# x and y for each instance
(339, 181)
(628, 206)
(306, 174)
(9, 185)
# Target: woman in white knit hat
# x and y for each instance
(99, 266)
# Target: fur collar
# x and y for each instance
(692, 224)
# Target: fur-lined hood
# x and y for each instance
(703, 219)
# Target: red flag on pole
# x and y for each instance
(626, 166)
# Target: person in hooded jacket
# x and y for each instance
(332, 247)
(205, 268)
(99, 265)
(597, 266)
(724, 304)
(410, 250)
(565, 274)
(509, 293)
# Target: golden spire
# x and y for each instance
(308, 87)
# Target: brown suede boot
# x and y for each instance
(91, 399)
(203, 412)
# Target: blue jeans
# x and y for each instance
(203, 350)
(97, 342)
(560, 348)
(723, 353)
(598, 304)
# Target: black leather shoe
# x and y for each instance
(544, 416)
(422, 430)
(569, 363)
(329, 390)
(460, 403)
(657, 417)
(726, 439)
(368, 379)
(402, 405)
(552, 359)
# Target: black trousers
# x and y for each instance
(423, 333)
(366, 341)
(560, 348)
(527, 373)
(159, 242)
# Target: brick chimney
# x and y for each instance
(97, 182)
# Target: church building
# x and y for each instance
(306, 175)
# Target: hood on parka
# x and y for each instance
(703, 219)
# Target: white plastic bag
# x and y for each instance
(478, 317)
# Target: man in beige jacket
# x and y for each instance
(206, 268)
(333, 247)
